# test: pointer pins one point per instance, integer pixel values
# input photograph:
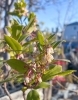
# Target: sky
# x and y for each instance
(56, 15)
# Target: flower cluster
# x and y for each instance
(48, 56)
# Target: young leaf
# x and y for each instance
(31, 15)
(42, 85)
(13, 43)
(64, 73)
(30, 24)
(22, 37)
(27, 43)
(40, 38)
(33, 95)
(50, 73)
(51, 36)
(55, 44)
(31, 48)
(18, 65)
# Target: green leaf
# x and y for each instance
(27, 43)
(13, 44)
(51, 36)
(31, 29)
(40, 47)
(64, 73)
(55, 44)
(30, 24)
(31, 48)
(22, 37)
(33, 95)
(42, 85)
(9, 29)
(11, 78)
(40, 38)
(15, 29)
(13, 13)
(51, 72)
(18, 65)
(18, 34)
(31, 15)
(51, 66)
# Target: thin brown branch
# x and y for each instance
(6, 91)
(24, 95)
(66, 88)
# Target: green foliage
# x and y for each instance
(13, 44)
(42, 85)
(51, 36)
(31, 15)
(64, 73)
(27, 43)
(51, 73)
(30, 27)
(40, 38)
(33, 95)
(18, 65)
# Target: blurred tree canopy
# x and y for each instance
(35, 6)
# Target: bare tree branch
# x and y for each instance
(24, 95)
(11, 3)
(6, 91)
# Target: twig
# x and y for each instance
(24, 95)
(6, 91)
(66, 88)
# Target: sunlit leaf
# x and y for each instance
(27, 27)
(31, 15)
(13, 43)
(42, 85)
(40, 38)
(64, 73)
(50, 73)
(22, 37)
